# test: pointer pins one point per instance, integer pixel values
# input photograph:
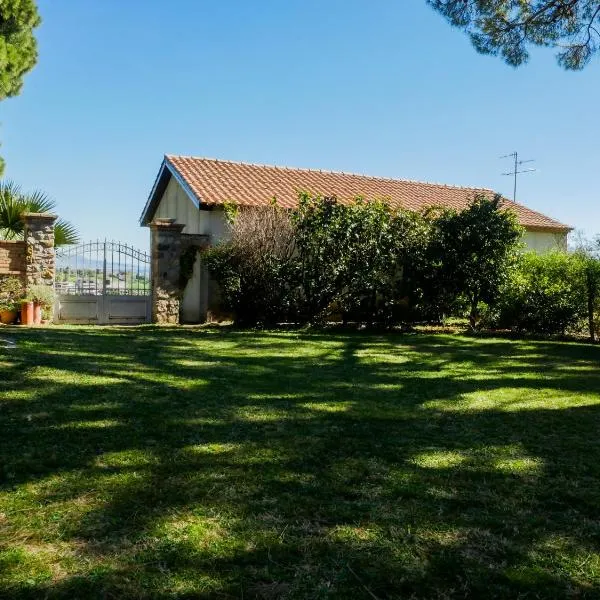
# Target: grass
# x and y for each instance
(199, 463)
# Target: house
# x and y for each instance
(193, 191)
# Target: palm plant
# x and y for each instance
(14, 203)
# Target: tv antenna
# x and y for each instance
(517, 170)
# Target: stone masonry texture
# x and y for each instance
(40, 258)
(165, 247)
(12, 258)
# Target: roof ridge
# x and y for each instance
(330, 172)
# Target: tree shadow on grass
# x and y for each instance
(181, 463)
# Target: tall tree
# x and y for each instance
(470, 253)
(18, 47)
(508, 27)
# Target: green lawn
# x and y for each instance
(182, 463)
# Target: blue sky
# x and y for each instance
(382, 88)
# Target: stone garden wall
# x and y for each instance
(167, 246)
(40, 262)
(33, 259)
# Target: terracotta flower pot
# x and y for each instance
(27, 313)
(8, 317)
(37, 313)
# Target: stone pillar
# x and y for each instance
(165, 249)
(40, 259)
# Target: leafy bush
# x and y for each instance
(352, 258)
(255, 269)
(362, 261)
(588, 254)
(11, 291)
(468, 257)
(320, 260)
(384, 289)
(42, 295)
(545, 293)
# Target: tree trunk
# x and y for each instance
(591, 301)
(473, 314)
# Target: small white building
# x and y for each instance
(193, 191)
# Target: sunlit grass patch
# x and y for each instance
(41, 375)
(437, 459)
(213, 448)
(520, 466)
(328, 407)
(516, 399)
(127, 458)
(197, 531)
(16, 394)
(354, 534)
(100, 423)
(508, 459)
(193, 364)
(28, 567)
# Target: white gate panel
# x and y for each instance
(127, 309)
(102, 283)
(77, 309)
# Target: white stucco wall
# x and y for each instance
(544, 241)
(175, 204)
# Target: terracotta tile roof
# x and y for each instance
(216, 181)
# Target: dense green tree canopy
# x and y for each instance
(508, 27)
(18, 48)
(470, 253)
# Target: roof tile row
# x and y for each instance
(216, 182)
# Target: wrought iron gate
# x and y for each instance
(102, 282)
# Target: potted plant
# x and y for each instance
(8, 313)
(26, 311)
(43, 299)
(11, 289)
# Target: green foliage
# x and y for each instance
(388, 251)
(11, 291)
(361, 262)
(553, 293)
(41, 294)
(352, 258)
(588, 255)
(187, 260)
(322, 232)
(18, 48)
(507, 27)
(14, 203)
(591, 271)
(321, 260)
(231, 211)
(545, 293)
(468, 256)
(256, 269)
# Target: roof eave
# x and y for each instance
(166, 171)
(548, 228)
